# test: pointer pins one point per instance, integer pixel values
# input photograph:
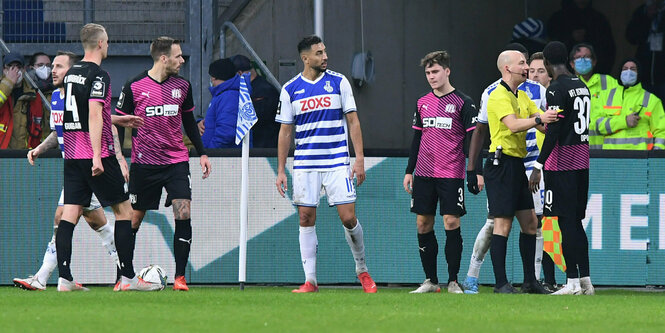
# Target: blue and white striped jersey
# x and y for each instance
(317, 110)
(536, 93)
(57, 113)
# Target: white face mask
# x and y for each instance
(43, 72)
(19, 80)
(628, 77)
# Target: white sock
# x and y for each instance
(309, 247)
(540, 242)
(105, 232)
(480, 248)
(49, 263)
(355, 239)
(575, 283)
(585, 281)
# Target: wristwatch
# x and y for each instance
(538, 120)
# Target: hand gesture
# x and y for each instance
(206, 167)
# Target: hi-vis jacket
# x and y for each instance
(599, 85)
(650, 130)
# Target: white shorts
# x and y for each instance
(539, 196)
(308, 186)
(94, 202)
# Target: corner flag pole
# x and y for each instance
(246, 119)
(244, 196)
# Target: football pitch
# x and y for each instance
(333, 309)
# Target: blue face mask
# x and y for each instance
(583, 65)
(628, 78)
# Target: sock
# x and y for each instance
(63, 244)
(106, 234)
(498, 253)
(49, 263)
(528, 252)
(182, 241)
(354, 237)
(480, 248)
(123, 241)
(453, 251)
(429, 250)
(540, 242)
(583, 248)
(309, 247)
(548, 269)
(569, 246)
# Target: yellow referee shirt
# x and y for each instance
(503, 102)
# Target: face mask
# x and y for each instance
(19, 80)
(628, 77)
(583, 65)
(43, 72)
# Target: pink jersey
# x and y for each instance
(85, 82)
(444, 122)
(160, 104)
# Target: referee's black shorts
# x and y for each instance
(566, 193)
(79, 184)
(447, 192)
(507, 186)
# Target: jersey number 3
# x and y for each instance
(582, 104)
(70, 104)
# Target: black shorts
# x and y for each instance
(146, 183)
(79, 184)
(507, 186)
(449, 192)
(566, 193)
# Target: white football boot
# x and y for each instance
(138, 284)
(587, 287)
(454, 288)
(66, 285)
(572, 287)
(31, 283)
(427, 287)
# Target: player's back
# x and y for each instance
(85, 82)
(571, 152)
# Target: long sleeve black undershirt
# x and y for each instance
(193, 132)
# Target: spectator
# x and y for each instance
(222, 115)
(265, 99)
(634, 118)
(577, 22)
(12, 76)
(30, 108)
(645, 30)
(583, 61)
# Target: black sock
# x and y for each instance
(569, 247)
(63, 246)
(182, 241)
(429, 250)
(123, 244)
(453, 252)
(583, 247)
(528, 253)
(133, 242)
(498, 253)
(548, 269)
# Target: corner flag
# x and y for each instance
(246, 114)
(553, 238)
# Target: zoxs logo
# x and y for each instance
(313, 103)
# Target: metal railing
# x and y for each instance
(59, 21)
(222, 51)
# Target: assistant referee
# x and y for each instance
(510, 114)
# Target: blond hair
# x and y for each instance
(91, 33)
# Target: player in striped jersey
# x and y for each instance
(319, 104)
(93, 214)
(443, 123)
(536, 93)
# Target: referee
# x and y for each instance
(510, 114)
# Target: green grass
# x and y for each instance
(275, 309)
